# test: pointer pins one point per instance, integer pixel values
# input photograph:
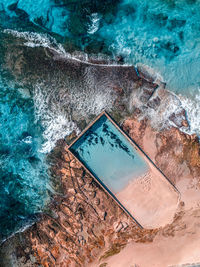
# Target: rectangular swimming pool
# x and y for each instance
(126, 173)
(108, 155)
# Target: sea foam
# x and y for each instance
(56, 117)
(33, 39)
(192, 107)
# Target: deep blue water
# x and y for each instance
(108, 154)
(163, 34)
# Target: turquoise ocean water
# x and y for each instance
(163, 35)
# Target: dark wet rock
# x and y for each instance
(144, 74)
(82, 124)
(69, 138)
(120, 59)
(147, 90)
(154, 103)
(74, 82)
(119, 91)
(179, 119)
(83, 220)
(80, 228)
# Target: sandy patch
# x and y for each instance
(151, 199)
(176, 245)
(190, 192)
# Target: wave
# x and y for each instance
(34, 39)
(56, 122)
(171, 104)
(54, 105)
(56, 109)
(22, 229)
(192, 107)
(94, 24)
(45, 40)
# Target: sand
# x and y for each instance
(175, 245)
(167, 250)
(151, 199)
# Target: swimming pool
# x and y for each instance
(126, 173)
(108, 155)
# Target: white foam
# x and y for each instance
(94, 25)
(172, 104)
(56, 122)
(93, 97)
(38, 40)
(20, 230)
(192, 107)
(155, 75)
(56, 104)
(28, 140)
(160, 117)
(44, 40)
(56, 119)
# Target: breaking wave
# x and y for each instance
(192, 107)
(54, 105)
(172, 104)
(138, 31)
(49, 111)
(34, 39)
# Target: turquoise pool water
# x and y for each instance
(109, 156)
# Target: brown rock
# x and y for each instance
(88, 219)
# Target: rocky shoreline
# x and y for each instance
(83, 223)
(83, 226)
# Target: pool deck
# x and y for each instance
(155, 170)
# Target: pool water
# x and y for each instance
(109, 155)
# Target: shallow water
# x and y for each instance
(108, 154)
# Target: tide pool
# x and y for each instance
(108, 155)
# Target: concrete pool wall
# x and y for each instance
(150, 200)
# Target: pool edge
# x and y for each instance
(139, 150)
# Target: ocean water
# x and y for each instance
(108, 154)
(162, 36)
(24, 182)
